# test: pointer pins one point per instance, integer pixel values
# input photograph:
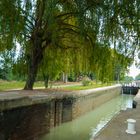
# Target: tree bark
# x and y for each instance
(33, 64)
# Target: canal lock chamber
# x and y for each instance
(74, 116)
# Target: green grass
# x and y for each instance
(81, 87)
(8, 85)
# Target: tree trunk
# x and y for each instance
(46, 80)
(64, 77)
(35, 57)
(32, 72)
(40, 39)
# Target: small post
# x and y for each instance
(131, 126)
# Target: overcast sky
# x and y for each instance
(134, 71)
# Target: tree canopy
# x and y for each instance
(76, 25)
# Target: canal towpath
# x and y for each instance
(116, 129)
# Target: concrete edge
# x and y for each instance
(14, 99)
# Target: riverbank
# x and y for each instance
(115, 130)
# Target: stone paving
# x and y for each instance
(115, 130)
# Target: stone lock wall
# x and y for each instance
(84, 104)
(30, 122)
(25, 123)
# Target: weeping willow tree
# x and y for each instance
(37, 24)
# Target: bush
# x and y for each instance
(86, 81)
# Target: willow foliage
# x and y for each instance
(37, 24)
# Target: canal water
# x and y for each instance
(88, 125)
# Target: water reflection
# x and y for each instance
(85, 127)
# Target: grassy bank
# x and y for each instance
(10, 85)
(13, 85)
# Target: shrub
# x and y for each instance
(86, 81)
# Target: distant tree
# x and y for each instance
(128, 79)
(7, 59)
